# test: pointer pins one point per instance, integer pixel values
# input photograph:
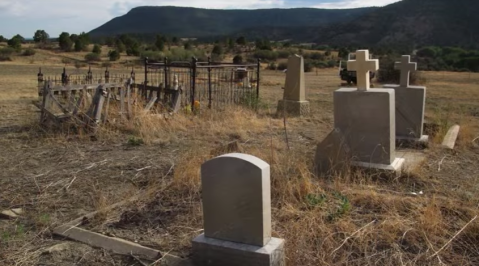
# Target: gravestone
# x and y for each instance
(237, 214)
(410, 104)
(294, 98)
(364, 118)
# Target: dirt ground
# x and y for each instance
(355, 219)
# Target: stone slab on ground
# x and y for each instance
(413, 159)
(215, 252)
(449, 140)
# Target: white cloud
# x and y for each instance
(354, 3)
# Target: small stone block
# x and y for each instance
(450, 139)
(18, 211)
(215, 252)
(8, 214)
(294, 108)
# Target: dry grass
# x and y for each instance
(351, 219)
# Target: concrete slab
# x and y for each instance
(215, 252)
(395, 167)
(450, 139)
(413, 159)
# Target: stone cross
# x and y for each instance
(406, 67)
(294, 89)
(237, 199)
(363, 65)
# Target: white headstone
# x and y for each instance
(406, 67)
(237, 199)
(363, 65)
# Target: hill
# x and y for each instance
(425, 22)
(197, 23)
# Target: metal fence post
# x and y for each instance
(64, 77)
(193, 87)
(145, 82)
(40, 81)
(209, 83)
(107, 75)
(257, 78)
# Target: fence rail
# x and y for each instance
(216, 83)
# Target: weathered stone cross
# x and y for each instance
(405, 66)
(363, 65)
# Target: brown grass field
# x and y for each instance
(351, 219)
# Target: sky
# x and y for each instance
(24, 17)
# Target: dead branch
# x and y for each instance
(450, 240)
(349, 237)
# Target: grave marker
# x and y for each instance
(365, 120)
(294, 98)
(410, 104)
(237, 214)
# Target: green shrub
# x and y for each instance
(29, 52)
(282, 66)
(114, 55)
(6, 53)
(238, 59)
(308, 66)
(96, 49)
(272, 66)
(92, 57)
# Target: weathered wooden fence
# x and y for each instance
(86, 106)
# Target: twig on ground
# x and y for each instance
(138, 260)
(160, 259)
(349, 237)
(450, 240)
(440, 164)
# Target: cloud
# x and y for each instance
(354, 3)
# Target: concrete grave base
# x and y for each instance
(214, 252)
(395, 167)
(422, 142)
(295, 108)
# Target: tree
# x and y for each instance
(78, 45)
(187, 45)
(238, 59)
(120, 46)
(241, 40)
(217, 50)
(110, 41)
(160, 42)
(114, 55)
(343, 52)
(175, 40)
(41, 36)
(65, 42)
(3, 39)
(16, 42)
(96, 49)
(231, 44)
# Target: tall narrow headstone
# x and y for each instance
(410, 104)
(294, 98)
(365, 119)
(237, 214)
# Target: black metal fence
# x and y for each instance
(211, 84)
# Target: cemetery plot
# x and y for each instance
(421, 217)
